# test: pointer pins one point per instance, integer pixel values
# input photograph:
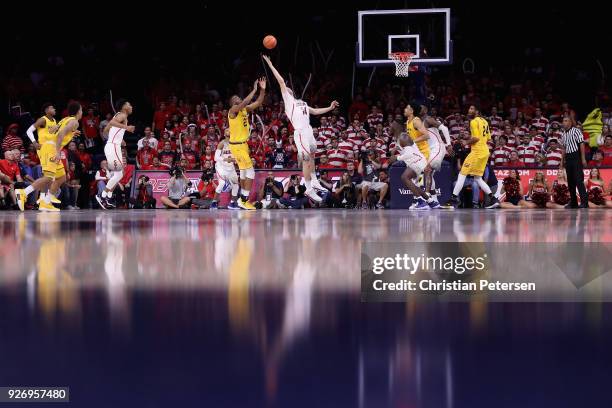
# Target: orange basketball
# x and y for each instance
(269, 42)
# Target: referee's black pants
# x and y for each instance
(575, 178)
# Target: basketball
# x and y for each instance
(269, 42)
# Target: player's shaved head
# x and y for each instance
(404, 140)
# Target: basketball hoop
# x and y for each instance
(402, 62)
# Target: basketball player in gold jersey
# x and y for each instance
(68, 129)
(416, 130)
(46, 127)
(240, 131)
(476, 161)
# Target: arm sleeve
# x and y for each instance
(30, 133)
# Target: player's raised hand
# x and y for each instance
(255, 84)
(262, 82)
(334, 104)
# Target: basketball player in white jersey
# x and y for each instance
(226, 173)
(415, 165)
(439, 145)
(114, 130)
(299, 113)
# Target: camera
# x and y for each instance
(144, 179)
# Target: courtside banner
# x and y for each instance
(550, 174)
(159, 181)
(503, 272)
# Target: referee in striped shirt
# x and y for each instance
(574, 161)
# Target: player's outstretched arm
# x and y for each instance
(247, 100)
(260, 98)
(321, 111)
(277, 75)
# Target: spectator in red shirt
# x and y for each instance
(160, 117)
(9, 174)
(606, 150)
(167, 155)
(514, 160)
(122, 193)
(145, 156)
(33, 155)
(11, 139)
(596, 160)
(190, 155)
(91, 125)
(85, 157)
(156, 165)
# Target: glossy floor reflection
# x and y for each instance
(235, 309)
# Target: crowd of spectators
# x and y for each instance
(524, 120)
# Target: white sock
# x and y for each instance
(483, 186)
(46, 197)
(104, 195)
(29, 190)
(245, 193)
(459, 184)
(109, 194)
(308, 184)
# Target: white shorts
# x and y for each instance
(436, 156)
(114, 159)
(417, 164)
(229, 175)
(373, 185)
(305, 142)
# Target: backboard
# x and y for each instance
(424, 32)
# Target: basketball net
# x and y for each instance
(402, 62)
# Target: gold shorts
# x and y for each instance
(241, 154)
(53, 169)
(474, 164)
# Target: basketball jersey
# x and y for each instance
(115, 134)
(414, 134)
(297, 111)
(411, 153)
(239, 127)
(221, 164)
(479, 128)
(68, 136)
(435, 140)
(43, 133)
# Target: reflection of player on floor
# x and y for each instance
(46, 127)
(299, 113)
(114, 131)
(226, 173)
(240, 131)
(476, 161)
